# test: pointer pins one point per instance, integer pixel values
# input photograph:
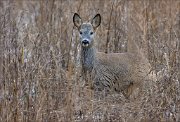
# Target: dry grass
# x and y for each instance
(39, 60)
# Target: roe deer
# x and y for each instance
(113, 71)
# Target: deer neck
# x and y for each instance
(88, 58)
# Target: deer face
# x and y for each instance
(86, 30)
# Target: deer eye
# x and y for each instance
(80, 32)
(91, 33)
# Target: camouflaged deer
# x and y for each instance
(118, 72)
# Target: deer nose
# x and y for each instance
(85, 42)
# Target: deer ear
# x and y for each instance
(77, 20)
(96, 21)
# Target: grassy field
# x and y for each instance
(40, 77)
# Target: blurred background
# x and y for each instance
(40, 68)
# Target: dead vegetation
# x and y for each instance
(39, 60)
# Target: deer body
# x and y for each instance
(113, 71)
